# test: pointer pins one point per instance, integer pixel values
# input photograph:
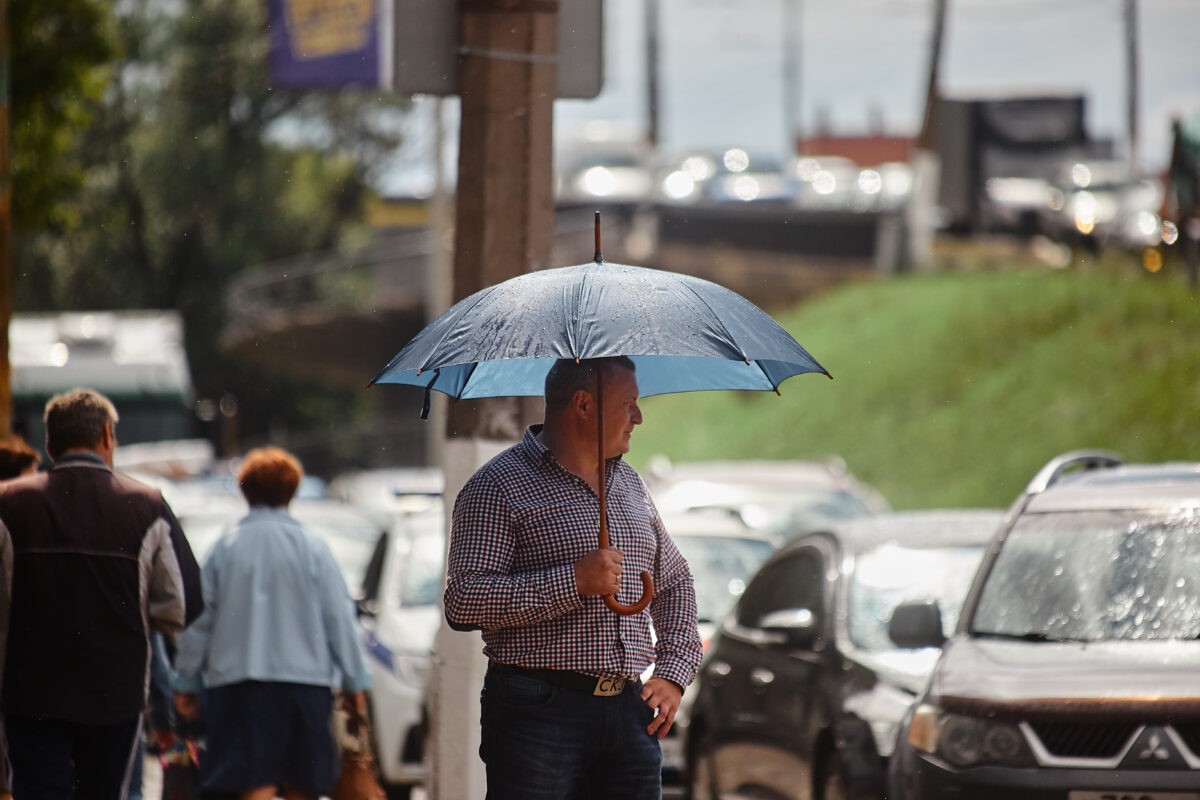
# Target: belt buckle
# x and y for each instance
(608, 686)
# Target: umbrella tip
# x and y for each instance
(598, 257)
(828, 375)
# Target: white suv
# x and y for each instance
(399, 614)
(1073, 673)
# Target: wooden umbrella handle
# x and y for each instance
(647, 581)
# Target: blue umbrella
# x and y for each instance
(683, 334)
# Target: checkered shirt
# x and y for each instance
(520, 524)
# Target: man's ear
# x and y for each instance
(581, 403)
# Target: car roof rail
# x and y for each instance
(1074, 461)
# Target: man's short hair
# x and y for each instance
(16, 456)
(76, 419)
(568, 376)
(269, 476)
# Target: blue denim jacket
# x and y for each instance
(276, 609)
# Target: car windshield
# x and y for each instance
(721, 565)
(784, 512)
(889, 575)
(1094, 576)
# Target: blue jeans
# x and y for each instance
(540, 742)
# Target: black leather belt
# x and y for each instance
(598, 685)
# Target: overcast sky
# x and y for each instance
(722, 65)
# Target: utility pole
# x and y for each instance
(926, 138)
(6, 281)
(650, 10)
(919, 213)
(1131, 82)
(504, 218)
(792, 128)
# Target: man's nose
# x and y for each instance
(637, 414)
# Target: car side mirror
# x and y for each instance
(796, 626)
(917, 623)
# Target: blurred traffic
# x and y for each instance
(821, 610)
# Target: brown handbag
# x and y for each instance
(358, 779)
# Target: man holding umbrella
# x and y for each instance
(564, 713)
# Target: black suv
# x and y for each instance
(802, 691)
(1074, 672)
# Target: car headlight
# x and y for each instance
(967, 741)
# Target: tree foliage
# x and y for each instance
(188, 166)
(60, 60)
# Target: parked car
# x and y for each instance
(722, 553)
(1072, 671)
(802, 690)
(399, 613)
(783, 497)
(382, 492)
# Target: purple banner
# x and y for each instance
(324, 42)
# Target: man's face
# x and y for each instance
(621, 412)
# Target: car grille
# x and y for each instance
(1190, 733)
(1081, 740)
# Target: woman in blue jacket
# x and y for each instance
(276, 637)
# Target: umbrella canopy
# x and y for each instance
(683, 333)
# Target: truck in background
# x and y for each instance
(999, 157)
(136, 358)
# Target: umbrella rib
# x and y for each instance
(483, 293)
(474, 365)
(717, 317)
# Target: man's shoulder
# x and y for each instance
(507, 469)
(626, 472)
(126, 485)
(23, 484)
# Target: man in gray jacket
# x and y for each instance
(94, 562)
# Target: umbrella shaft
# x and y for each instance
(600, 456)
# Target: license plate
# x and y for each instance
(1126, 795)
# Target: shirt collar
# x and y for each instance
(533, 448)
(81, 458)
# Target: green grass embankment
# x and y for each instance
(952, 389)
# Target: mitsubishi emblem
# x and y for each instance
(1154, 749)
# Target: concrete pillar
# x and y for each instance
(504, 217)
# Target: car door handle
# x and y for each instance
(761, 678)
